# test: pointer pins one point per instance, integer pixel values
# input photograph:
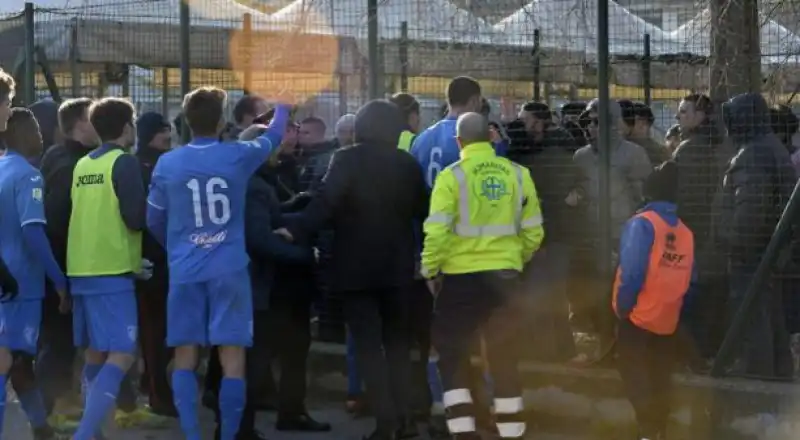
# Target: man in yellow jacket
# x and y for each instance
(484, 225)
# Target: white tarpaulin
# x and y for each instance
(778, 44)
(571, 25)
(137, 31)
(428, 20)
(17, 6)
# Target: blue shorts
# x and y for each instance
(106, 323)
(213, 312)
(19, 325)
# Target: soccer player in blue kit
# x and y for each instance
(436, 148)
(196, 208)
(25, 249)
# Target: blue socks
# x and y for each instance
(102, 396)
(33, 405)
(232, 398)
(184, 388)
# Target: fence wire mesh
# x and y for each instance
(316, 51)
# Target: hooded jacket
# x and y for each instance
(630, 166)
(371, 196)
(758, 183)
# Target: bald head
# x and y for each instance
(472, 128)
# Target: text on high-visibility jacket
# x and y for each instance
(655, 269)
(484, 215)
(99, 243)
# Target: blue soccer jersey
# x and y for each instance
(21, 192)
(436, 148)
(201, 189)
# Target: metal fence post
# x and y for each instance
(372, 49)
(247, 47)
(604, 150)
(29, 93)
(647, 80)
(186, 81)
(780, 238)
(537, 66)
(403, 56)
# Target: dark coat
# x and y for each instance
(57, 166)
(554, 175)
(151, 249)
(758, 183)
(371, 196)
(699, 178)
(267, 250)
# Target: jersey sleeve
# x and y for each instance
(157, 196)
(29, 198)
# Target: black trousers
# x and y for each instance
(378, 320)
(151, 299)
(469, 304)
(645, 362)
(56, 357)
(421, 316)
(288, 321)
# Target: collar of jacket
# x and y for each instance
(148, 154)
(72, 144)
(477, 149)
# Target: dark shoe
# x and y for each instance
(407, 430)
(44, 433)
(380, 435)
(301, 422)
(251, 435)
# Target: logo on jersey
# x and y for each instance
(36, 193)
(36, 178)
(132, 333)
(91, 179)
(206, 240)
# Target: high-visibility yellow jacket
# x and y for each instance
(484, 215)
(406, 138)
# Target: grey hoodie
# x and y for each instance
(630, 166)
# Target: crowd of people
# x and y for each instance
(439, 241)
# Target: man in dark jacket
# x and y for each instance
(54, 364)
(756, 188)
(152, 140)
(639, 120)
(699, 157)
(372, 194)
(547, 150)
(46, 113)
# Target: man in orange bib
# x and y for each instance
(655, 269)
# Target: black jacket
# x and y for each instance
(313, 163)
(699, 178)
(57, 167)
(758, 183)
(371, 196)
(267, 250)
(151, 249)
(554, 174)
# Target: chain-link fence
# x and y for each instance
(317, 51)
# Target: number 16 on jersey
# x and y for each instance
(217, 204)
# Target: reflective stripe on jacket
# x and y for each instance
(669, 274)
(484, 215)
